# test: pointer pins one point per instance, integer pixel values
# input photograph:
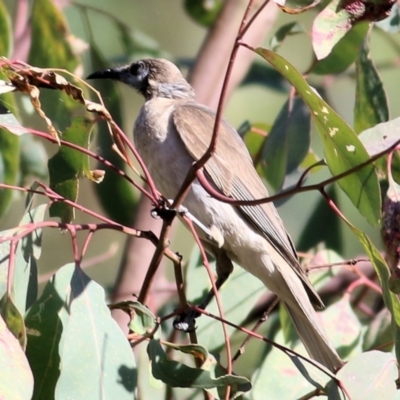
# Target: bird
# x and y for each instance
(171, 132)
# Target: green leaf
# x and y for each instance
(25, 285)
(375, 372)
(337, 18)
(16, 380)
(95, 356)
(204, 12)
(379, 332)
(343, 150)
(143, 320)
(315, 233)
(67, 166)
(209, 377)
(391, 300)
(51, 48)
(13, 319)
(288, 142)
(343, 53)
(33, 159)
(9, 153)
(44, 329)
(121, 206)
(292, 28)
(371, 107)
(254, 138)
(5, 31)
(261, 74)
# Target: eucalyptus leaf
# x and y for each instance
(176, 374)
(69, 165)
(378, 378)
(16, 380)
(94, 353)
(371, 106)
(288, 142)
(343, 150)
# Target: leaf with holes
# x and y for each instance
(343, 149)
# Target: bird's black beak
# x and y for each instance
(109, 73)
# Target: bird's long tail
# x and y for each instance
(285, 282)
(314, 336)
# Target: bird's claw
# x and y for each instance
(186, 321)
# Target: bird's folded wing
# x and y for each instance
(231, 170)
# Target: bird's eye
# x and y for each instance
(137, 68)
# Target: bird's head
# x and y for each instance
(152, 77)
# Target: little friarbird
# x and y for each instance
(170, 133)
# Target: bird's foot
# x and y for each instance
(186, 321)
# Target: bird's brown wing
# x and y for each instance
(232, 172)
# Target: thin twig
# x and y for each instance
(288, 192)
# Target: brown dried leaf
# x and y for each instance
(24, 79)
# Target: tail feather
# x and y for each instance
(314, 338)
(290, 289)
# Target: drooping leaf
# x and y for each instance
(343, 53)
(94, 354)
(209, 377)
(288, 142)
(343, 150)
(16, 380)
(68, 166)
(371, 107)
